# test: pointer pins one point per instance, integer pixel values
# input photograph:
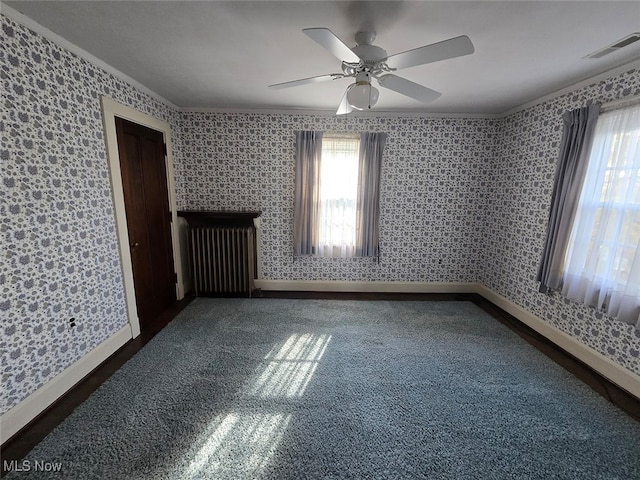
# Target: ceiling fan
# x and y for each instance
(366, 61)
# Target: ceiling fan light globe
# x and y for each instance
(362, 96)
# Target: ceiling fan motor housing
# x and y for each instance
(370, 54)
(366, 61)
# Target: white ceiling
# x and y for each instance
(224, 54)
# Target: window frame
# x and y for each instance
(327, 246)
(600, 262)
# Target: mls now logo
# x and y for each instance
(29, 466)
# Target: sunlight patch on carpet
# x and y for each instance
(244, 443)
(290, 367)
(238, 443)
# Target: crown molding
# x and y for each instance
(22, 19)
(27, 22)
(575, 86)
(331, 113)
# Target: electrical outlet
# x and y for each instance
(72, 322)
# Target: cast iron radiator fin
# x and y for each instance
(223, 260)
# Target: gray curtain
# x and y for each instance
(576, 142)
(367, 216)
(308, 151)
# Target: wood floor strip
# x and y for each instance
(24, 441)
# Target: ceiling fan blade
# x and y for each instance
(454, 47)
(328, 40)
(305, 81)
(408, 88)
(344, 107)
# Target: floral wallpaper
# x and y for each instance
(59, 256)
(431, 195)
(520, 181)
(462, 200)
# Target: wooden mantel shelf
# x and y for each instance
(218, 217)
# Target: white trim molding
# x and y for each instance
(574, 86)
(22, 19)
(31, 24)
(24, 412)
(110, 110)
(375, 287)
(332, 113)
(606, 367)
(20, 415)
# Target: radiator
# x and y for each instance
(223, 260)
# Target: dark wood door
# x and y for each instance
(144, 181)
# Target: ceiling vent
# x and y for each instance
(628, 40)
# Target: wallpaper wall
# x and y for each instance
(431, 199)
(59, 256)
(463, 200)
(520, 181)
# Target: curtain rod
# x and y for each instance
(620, 103)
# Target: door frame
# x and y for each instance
(110, 110)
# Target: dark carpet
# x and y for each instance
(296, 389)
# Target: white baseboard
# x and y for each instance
(21, 414)
(378, 287)
(606, 367)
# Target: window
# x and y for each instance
(338, 184)
(602, 261)
(337, 194)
